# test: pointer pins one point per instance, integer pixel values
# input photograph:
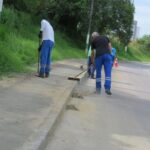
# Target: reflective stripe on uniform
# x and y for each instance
(108, 78)
(98, 79)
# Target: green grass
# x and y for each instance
(19, 52)
(134, 54)
(16, 51)
(65, 48)
(137, 51)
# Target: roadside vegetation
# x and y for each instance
(19, 42)
(20, 23)
(138, 50)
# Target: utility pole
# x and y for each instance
(1, 6)
(90, 22)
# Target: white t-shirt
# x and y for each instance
(47, 30)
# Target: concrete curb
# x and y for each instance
(39, 140)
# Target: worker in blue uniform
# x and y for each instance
(91, 67)
(47, 37)
(113, 55)
(101, 50)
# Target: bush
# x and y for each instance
(9, 61)
(17, 41)
(140, 49)
(144, 43)
(9, 17)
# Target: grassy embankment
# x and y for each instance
(19, 43)
(137, 51)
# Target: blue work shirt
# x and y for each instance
(113, 52)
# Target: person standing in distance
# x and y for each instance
(113, 55)
(91, 67)
(46, 36)
(101, 50)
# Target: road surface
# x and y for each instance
(101, 122)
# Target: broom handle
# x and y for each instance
(38, 70)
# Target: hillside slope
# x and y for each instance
(19, 42)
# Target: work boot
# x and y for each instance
(92, 76)
(98, 91)
(41, 75)
(108, 92)
(89, 75)
(46, 75)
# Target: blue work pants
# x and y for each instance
(45, 56)
(106, 61)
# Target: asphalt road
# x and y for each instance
(101, 122)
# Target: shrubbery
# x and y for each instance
(144, 43)
(17, 41)
(141, 49)
(137, 50)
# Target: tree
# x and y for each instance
(114, 16)
(73, 16)
(124, 13)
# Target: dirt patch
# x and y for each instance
(72, 107)
(77, 95)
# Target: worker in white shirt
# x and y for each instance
(46, 36)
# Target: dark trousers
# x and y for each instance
(91, 67)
